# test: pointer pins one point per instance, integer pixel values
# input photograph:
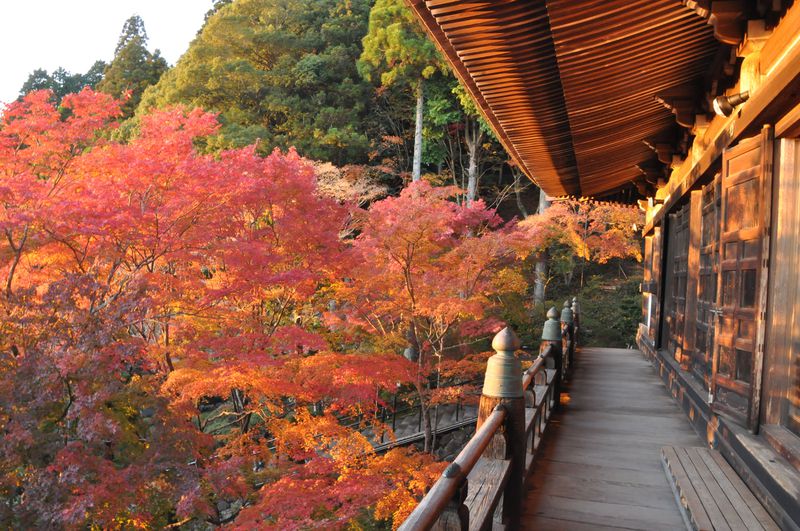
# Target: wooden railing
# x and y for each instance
(484, 486)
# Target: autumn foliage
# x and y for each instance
(160, 352)
(585, 231)
(183, 333)
(427, 277)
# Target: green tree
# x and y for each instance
(398, 53)
(218, 4)
(282, 71)
(61, 82)
(456, 135)
(134, 67)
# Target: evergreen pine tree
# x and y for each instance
(134, 67)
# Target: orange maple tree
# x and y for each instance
(428, 275)
(587, 230)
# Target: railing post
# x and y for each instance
(551, 335)
(576, 318)
(569, 329)
(502, 387)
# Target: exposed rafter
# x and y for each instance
(570, 86)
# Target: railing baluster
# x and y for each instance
(551, 337)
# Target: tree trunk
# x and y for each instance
(518, 193)
(416, 172)
(540, 282)
(427, 426)
(583, 267)
(473, 137)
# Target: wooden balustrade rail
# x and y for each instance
(446, 488)
(493, 465)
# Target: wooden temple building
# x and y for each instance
(692, 109)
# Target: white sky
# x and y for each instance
(75, 33)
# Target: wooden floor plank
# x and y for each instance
(607, 491)
(745, 512)
(744, 492)
(688, 497)
(580, 456)
(727, 509)
(605, 471)
(602, 514)
(557, 524)
(600, 464)
(706, 498)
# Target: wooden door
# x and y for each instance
(741, 284)
(677, 269)
(708, 264)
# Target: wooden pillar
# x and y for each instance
(502, 387)
(551, 335)
(568, 331)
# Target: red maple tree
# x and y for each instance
(587, 230)
(161, 354)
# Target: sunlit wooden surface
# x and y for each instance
(600, 467)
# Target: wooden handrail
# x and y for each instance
(506, 454)
(536, 367)
(435, 501)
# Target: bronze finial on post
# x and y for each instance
(566, 313)
(502, 387)
(551, 337)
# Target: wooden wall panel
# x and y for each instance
(781, 390)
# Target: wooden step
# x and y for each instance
(710, 494)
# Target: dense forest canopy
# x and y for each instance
(281, 71)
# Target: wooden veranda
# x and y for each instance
(600, 465)
(584, 439)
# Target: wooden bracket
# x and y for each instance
(728, 18)
(682, 101)
(663, 151)
(701, 7)
(652, 172)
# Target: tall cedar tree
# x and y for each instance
(159, 347)
(398, 53)
(279, 71)
(457, 137)
(134, 67)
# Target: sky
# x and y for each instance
(75, 33)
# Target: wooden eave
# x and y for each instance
(570, 86)
(773, 102)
